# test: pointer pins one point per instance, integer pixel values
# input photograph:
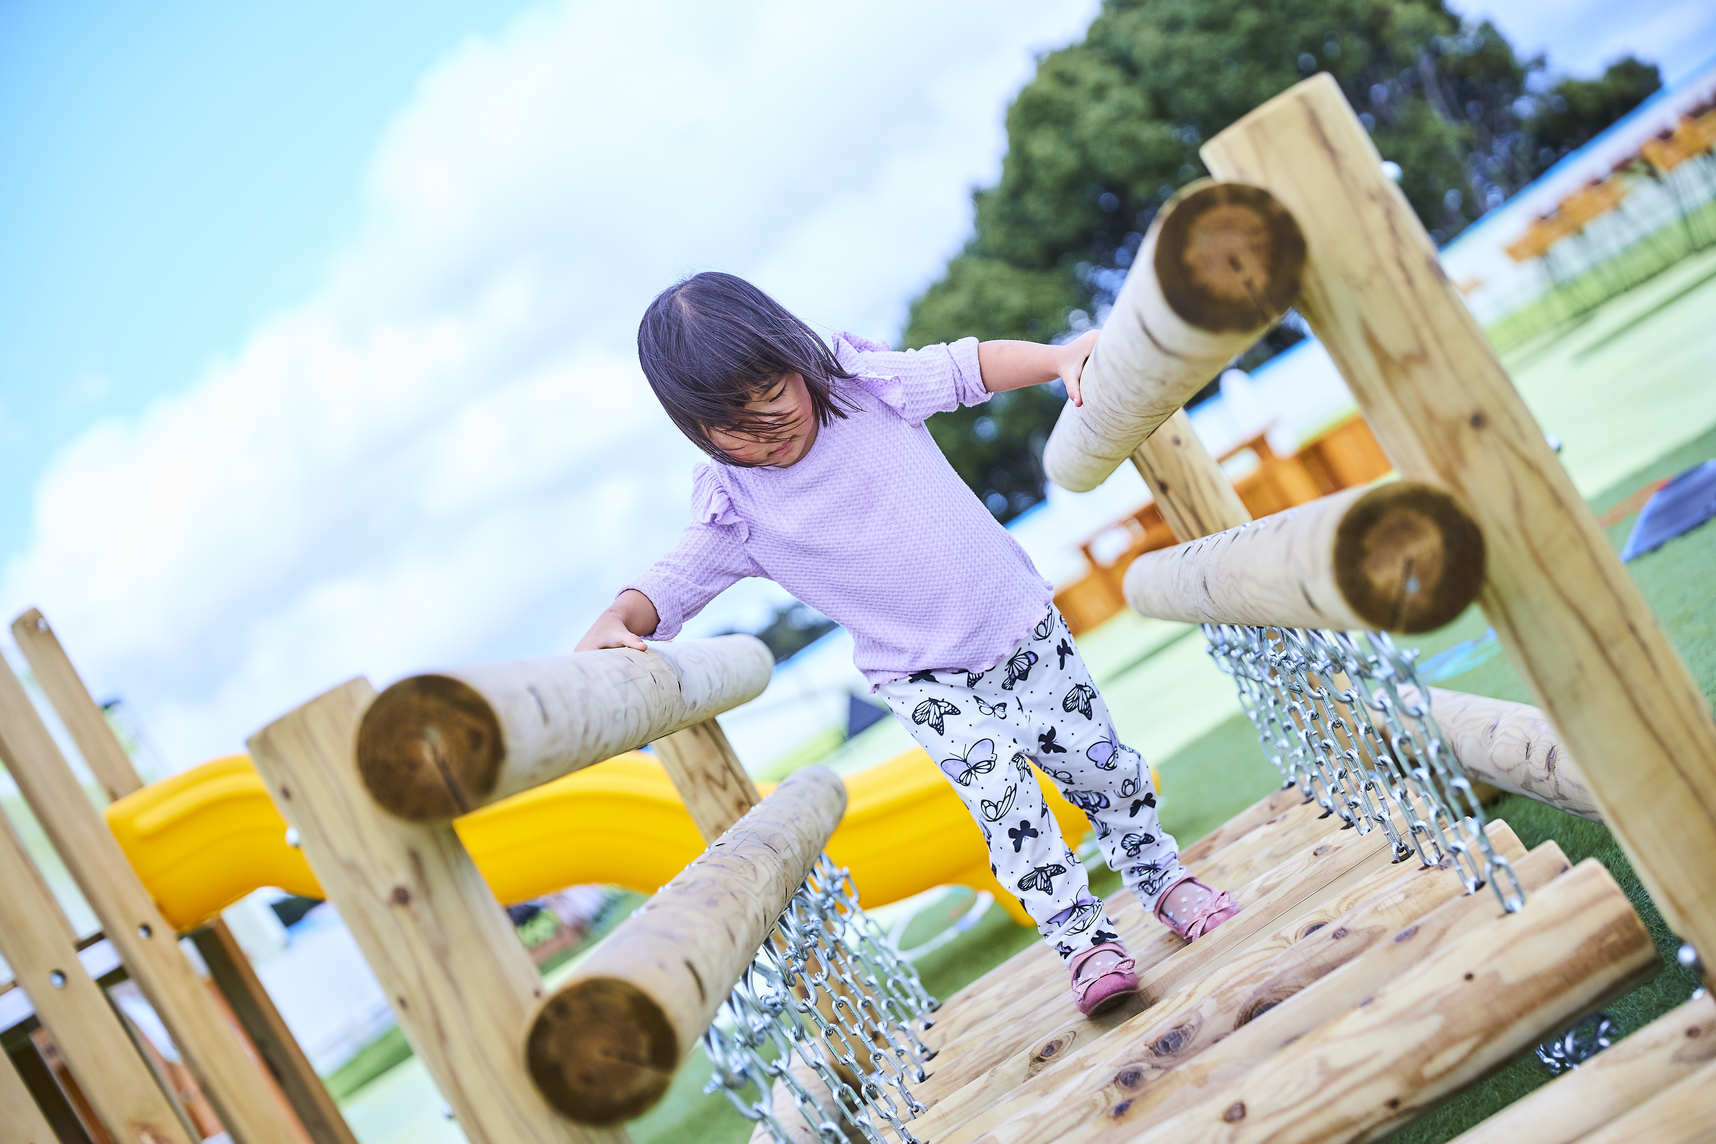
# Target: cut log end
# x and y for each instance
(1230, 257)
(601, 1051)
(1408, 558)
(430, 749)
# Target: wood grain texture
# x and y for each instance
(1399, 557)
(1263, 810)
(1684, 1113)
(603, 1047)
(234, 1080)
(38, 943)
(1445, 411)
(1188, 484)
(111, 765)
(1218, 266)
(461, 985)
(24, 1122)
(1495, 990)
(1266, 972)
(1512, 746)
(709, 777)
(1676, 1046)
(435, 746)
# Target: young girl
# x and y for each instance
(826, 481)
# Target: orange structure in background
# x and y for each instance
(1344, 456)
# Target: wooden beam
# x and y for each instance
(1187, 483)
(24, 1122)
(108, 760)
(709, 777)
(461, 984)
(1401, 557)
(1257, 814)
(215, 1051)
(1492, 992)
(1683, 1113)
(1622, 1077)
(604, 1046)
(39, 944)
(1513, 746)
(1443, 409)
(1219, 265)
(433, 747)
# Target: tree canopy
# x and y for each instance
(1109, 128)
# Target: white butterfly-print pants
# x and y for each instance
(1038, 706)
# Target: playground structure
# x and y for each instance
(1393, 983)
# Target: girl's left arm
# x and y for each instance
(1014, 365)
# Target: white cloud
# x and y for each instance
(447, 454)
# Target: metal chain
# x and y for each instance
(828, 990)
(1345, 719)
(1588, 1037)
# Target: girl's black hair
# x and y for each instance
(710, 343)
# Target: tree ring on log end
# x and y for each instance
(430, 748)
(601, 1051)
(1230, 258)
(1408, 558)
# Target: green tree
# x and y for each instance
(1109, 128)
(1574, 110)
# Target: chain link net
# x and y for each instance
(832, 1015)
(1345, 719)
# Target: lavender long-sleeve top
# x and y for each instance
(872, 527)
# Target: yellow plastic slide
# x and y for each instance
(202, 839)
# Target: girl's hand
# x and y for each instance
(610, 631)
(1071, 367)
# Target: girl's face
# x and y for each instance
(786, 401)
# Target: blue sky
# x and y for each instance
(176, 171)
(315, 318)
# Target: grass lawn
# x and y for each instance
(1628, 390)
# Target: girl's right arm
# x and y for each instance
(625, 623)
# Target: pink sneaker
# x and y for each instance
(1101, 976)
(1207, 912)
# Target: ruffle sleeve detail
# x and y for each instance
(711, 504)
(914, 383)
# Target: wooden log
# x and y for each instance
(1183, 1012)
(1011, 1035)
(709, 777)
(1276, 803)
(1442, 407)
(1127, 1098)
(1399, 557)
(24, 1121)
(604, 1046)
(216, 1053)
(1188, 484)
(1219, 265)
(433, 747)
(1512, 746)
(1496, 989)
(111, 765)
(41, 948)
(1675, 1046)
(459, 981)
(1683, 1113)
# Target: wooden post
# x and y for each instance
(433, 747)
(1400, 557)
(1575, 943)
(1617, 1080)
(216, 1053)
(1513, 746)
(1219, 265)
(24, 1122)
(231, 970)
(459, 981)
(603, 1048)
(40, 946)
(1444, 410)
(706, 772)
(1188, 484)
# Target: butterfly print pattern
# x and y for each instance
(999, 736)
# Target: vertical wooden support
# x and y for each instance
(111, 765)
(218, 1056)
(1444, 410)
(24, 1122)
(460, 982)
(40, 946)
(711, 781)
(43, 1100)
(1195, 496)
